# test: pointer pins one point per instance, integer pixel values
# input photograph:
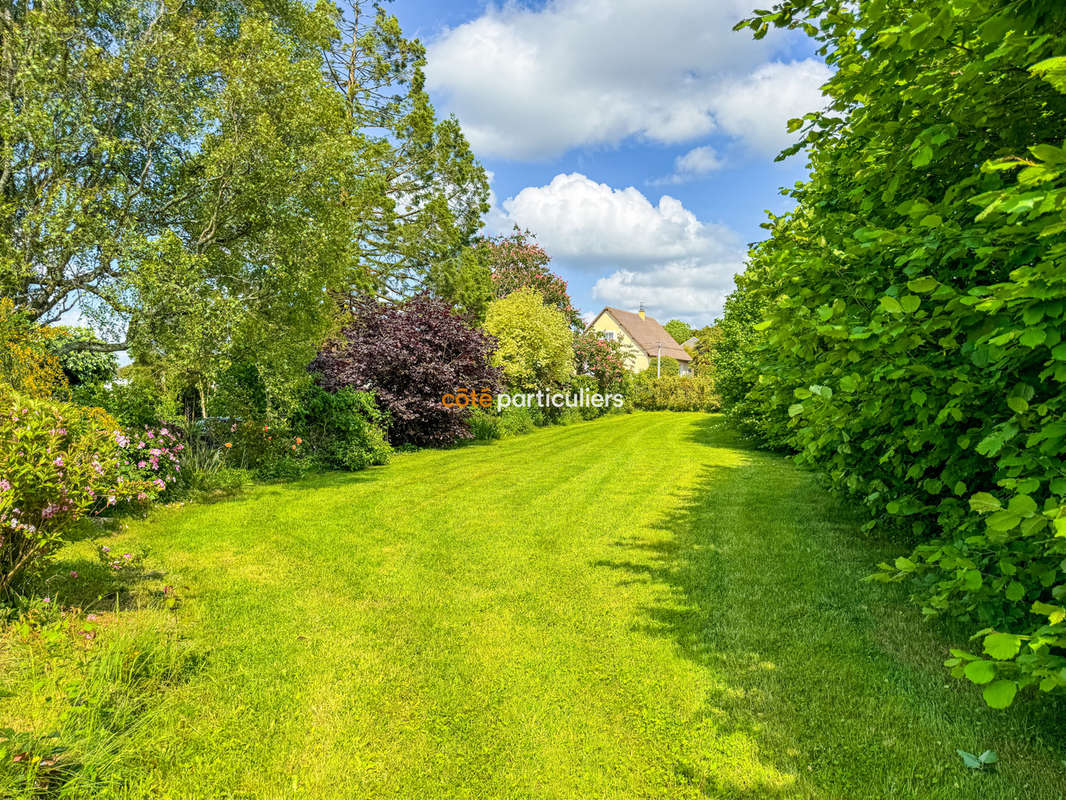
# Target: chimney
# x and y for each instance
(641, 312)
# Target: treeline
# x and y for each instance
(901, 330)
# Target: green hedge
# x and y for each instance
(674, 393)
(913, 309)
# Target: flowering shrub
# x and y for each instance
(519, 263)
(153, 455)
(602, 358)
(57, 462)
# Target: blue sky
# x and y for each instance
(635, 139)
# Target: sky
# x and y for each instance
(635, 139)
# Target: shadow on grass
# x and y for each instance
(835, 683)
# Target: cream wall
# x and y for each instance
(637, 361)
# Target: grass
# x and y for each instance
(635, 607)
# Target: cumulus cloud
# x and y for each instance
(659, 254)
(693, 293)
(534, 83)
(694, 164)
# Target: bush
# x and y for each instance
(152, 455)
(484, 425)
(913, 308)
(516, 421)
(410, 356)
(601, 358)
(535, 347)
(667, 367)
(27, 363)
(57, 462)
(674, 393)
(342, 429)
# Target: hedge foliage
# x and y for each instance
(674, 393)
(913, 309)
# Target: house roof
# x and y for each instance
(647, 333)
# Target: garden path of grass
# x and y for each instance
(639, 606)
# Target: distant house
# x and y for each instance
(643, 337)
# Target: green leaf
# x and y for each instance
(1017, 405)
(983, 502)
(1000, 694)
(1002, 646)
(988, 757)
(1033, 337)
(980, 672)
(969, 759)
(891, 305)
(923, 285)
(1015, 591)
(909, 303)
(795, 409)
(905, 564)
(1022, 504)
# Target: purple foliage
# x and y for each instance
(410, 356)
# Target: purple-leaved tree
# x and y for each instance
(410, 356)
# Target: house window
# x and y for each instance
(608, 335)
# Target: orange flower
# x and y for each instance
(266, 427)
(229, 444)
(299, 440)
(294, 447)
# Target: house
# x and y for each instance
(642, 336)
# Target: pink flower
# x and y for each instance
(141, 464)
(46, 599)
(111, 500)
(58, 461)
(73, 573)
(49, 511)
(4, 485)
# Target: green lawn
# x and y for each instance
(634, 607)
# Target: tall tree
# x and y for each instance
(518, 262)
(424, 192)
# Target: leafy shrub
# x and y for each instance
(674, 393)
(82, 367)
(57, 462)
(601, 358)
(152, 455)
(410, 356)
(27, 363)
(534, 343)
(484, 425)
(664, 366)
(913, 310)
(516, 421)
(343, 429)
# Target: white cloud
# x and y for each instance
(587, 222)
(759, 107)
(698, 161)
(660, 254)
(692, 292)
(695, 163)
(535, 83)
